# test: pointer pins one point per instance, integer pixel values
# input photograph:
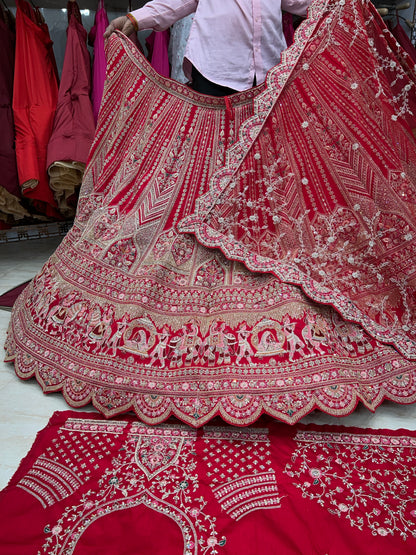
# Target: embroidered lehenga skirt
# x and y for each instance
(240, 256)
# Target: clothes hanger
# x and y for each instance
(6, 7)
(393, 8)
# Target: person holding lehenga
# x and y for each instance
(246, 254)
(231, 45)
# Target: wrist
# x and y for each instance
(133, 21)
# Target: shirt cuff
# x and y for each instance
(159, 15)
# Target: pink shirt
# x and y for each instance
(231, 41)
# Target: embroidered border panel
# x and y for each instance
(266, 489)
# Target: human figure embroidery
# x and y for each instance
(240, 255)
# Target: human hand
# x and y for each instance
(122, 23)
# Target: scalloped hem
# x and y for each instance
(238, 410)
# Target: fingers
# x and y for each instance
(108, 31)
(122, 24)
(128, 28)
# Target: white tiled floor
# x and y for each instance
(25, 409)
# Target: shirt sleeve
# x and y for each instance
(296, 7)
(159, 15)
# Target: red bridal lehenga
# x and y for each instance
(240, 256)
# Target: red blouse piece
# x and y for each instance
(93, 486)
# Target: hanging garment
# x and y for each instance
(305, 186)
(74, 124)
(10, 206)
(96, 39)
(35, 95)
(157, 44)
(179, 34)
(93, 486)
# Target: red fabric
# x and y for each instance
(135, 40)
(324, 197)
(131, 314)
(35, 94)
(8, 299)
(74, 126)
(8, 178)
(93, 486)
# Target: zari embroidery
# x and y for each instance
(240, 470)
(362, 478)
(132, 312)
(155, 467)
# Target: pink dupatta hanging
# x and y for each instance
(96, 38)
(158, 44)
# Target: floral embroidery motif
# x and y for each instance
(61, 470)
(156, 467)
(163, 244)
(240, 470)
(362, 478)
(182, 249)
(154, 453)
(210, 274)
(121, 254)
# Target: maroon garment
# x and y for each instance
(7, 299)
(96, 39)
(8, 178)
(288, 28)
(74, 126)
